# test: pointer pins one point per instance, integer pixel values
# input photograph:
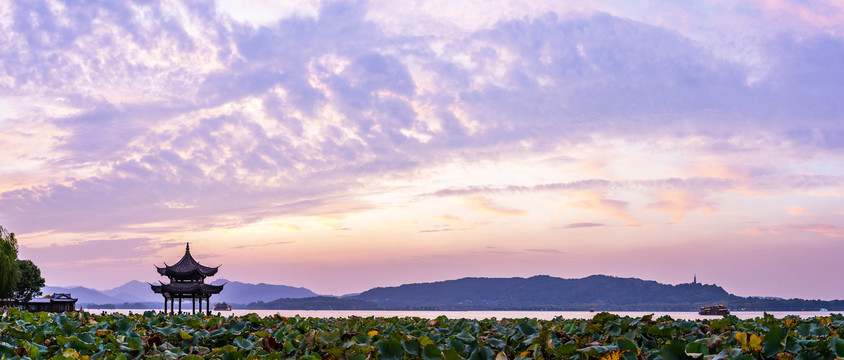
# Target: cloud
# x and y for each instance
(796, 210)
(825, 229)
(262, 245)
(108, 250)
(486, 205)
(681, 203)
(180, 117)
(758, 231)
(448, 217)
(437, 230)
(597, 201)
(580, 225)
(764, 182)
(546, 251)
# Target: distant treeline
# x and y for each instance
(538, 293)
(314, 303)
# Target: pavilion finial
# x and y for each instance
(187, 247)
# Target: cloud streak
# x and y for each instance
(173, 119)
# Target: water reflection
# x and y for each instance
(542, 315)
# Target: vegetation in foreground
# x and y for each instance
(81, 335)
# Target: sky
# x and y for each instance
(345, 145)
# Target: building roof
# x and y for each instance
(186, 267)
(186, 288)
(57, 297)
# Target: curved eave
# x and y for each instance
(156, 288)
(204, 271)
(187, 288)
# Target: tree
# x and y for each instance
(30, 281)
(9, 274)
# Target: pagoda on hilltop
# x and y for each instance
(187, 281)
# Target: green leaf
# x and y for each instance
(465, 337)
(772, 344)
(412, 347)
(86, 337)
(836, 345)
(32, 350)
(482, 353)
(566, 349)
(124, 326)
(496, 343)
(697, 348)
(243, 343)
(328, 338)
(451, 354)
(425, 341)
(597, 351)
(432, 352)
(390, 349)
(134, 343)
(675, 350)
(526, 328)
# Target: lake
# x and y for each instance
(543, 315)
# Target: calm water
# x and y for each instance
(543, 315)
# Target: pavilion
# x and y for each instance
(187, 281)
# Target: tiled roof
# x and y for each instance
(187, 266)
(187, 288)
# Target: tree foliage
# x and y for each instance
(9, 274)
(30, 281)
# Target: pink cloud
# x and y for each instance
(796, 210)
(825, 229)
(484, 204)
(678, 204)
(758, 231)
(598, 201)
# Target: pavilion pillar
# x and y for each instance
(180, 306)
(208, 304)
(193, 305)
(165, 304)
(172, 303)
(200, 305)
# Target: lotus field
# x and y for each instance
(81, 335)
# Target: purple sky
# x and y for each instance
(343, 145)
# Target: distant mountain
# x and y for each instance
(599, 292)
(236, 292)
(314, 303)
(134, 291)
(85, 295)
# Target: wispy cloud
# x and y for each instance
(262, 245)
(758, 231)
(486, 205)
(797, 210)
(580, 225)
(546, 251)
(596, 201)
(825, 229)
(681, 203)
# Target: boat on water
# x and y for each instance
(714, 310)
(223, 306)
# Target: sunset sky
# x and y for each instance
(344, 145)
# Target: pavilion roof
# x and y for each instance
(186, 266)
(187, 288)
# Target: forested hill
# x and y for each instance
(598, 292)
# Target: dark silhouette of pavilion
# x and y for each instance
(187, 281)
